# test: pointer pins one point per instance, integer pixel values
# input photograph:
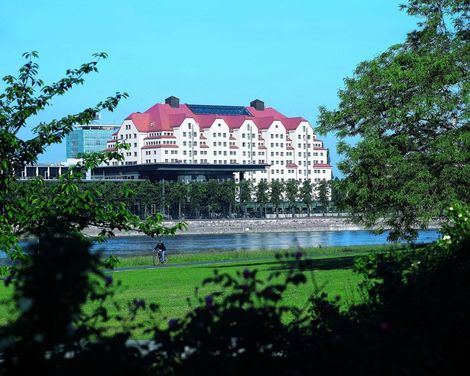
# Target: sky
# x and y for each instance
(292, 54)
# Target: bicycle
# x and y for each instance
(160, 257)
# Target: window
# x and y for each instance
(184, 134)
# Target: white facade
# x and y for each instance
(290, 150)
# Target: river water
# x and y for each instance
(139, 245)
(134, 245)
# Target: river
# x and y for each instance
(134, 245)
(138, 245)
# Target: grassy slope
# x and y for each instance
(243, 255)
(171, 287)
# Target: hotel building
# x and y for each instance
(171, 132)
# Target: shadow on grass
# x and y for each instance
(346, 262)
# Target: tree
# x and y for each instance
(214, 198)
(54, 277)
(275, 195)
(262, 197)
(245, 189)
(292, 191)
(178, 194)
(323, 195)
(306, 194)
(229, 196)
(337, 194)
(197, 197)
(409, 107)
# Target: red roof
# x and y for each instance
(159, 146)
(163, 117)
(318, 148)
(233, 147)
(323, 165)
(157, 137)
(204, 146)
(291, 165)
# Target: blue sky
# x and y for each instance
(293, 54)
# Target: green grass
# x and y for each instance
(171, 287)
(211, 256)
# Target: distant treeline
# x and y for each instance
(214, 199)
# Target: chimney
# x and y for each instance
(257, 105)
(173, 101)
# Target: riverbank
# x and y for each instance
(239, 226)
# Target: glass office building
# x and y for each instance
(88, 138)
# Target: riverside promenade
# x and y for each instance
(237, 226)
(233, 226)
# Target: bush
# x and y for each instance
(415, 319)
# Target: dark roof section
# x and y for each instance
(257, 104)
(173, 101)
(202, 109)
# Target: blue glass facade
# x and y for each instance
(88, 139)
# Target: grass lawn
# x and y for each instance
(258, 254)
(171, 287)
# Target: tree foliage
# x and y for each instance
(27, 209)
(306, 194)
(275, 194)
(409, 107)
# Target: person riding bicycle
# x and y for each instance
(159, 253)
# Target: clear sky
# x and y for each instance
(293, 54)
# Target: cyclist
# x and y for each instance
(159, 254)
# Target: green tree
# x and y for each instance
(292, 192)
(245, 191)
(306, 194)
(197, 197)
(275, 195)
(54, 277)
(323, 195)
(214, 198)
(262, 196)
(229, 196)
(409, 109)
(337, 194)
(177, 196)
